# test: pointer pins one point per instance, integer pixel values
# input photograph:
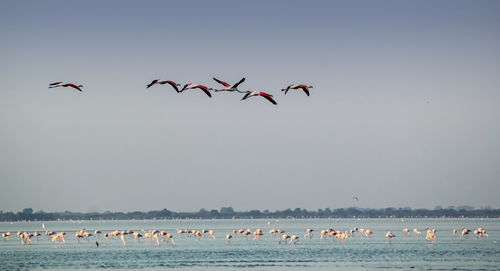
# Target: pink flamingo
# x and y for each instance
(268, 97)
(62, 84)
(227, 86)
(202, 87)
(305, 88)
(170, 82)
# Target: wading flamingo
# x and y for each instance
(309, 233)
(389, 235)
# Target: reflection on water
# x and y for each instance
(356, 253)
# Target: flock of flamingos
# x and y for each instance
(154, 236)
(226, 87)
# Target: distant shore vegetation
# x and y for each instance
(27, 214)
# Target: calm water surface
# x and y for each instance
(189, 253)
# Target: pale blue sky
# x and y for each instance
(404, 111)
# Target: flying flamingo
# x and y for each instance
(202, 87)
(172, 83)
(62, 84)
(227, 86)
(305, 88)
(269, 97)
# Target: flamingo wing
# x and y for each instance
(237, 84)
(205, 89)
(269, 97)
(305, 89)
(246, 96)
(184, 88)
(74, 86)
(222, 82)
(173, 84)
(56, 83)
(287, 89)
(152, 83)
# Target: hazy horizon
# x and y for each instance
(437, 207)
(404, 109)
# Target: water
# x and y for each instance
(356, 253)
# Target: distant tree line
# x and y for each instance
(229, 212)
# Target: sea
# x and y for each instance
(358, 252)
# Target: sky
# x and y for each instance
(404, 111)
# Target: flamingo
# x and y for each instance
(341, 236)
(368, 232)
(211, 234)
(294, 239)
(390, 235)
(172, 83)
(227, 86)
(305, 88)
(170, 238)
(465, 232)
(323, 234)
(431, 235)
(247, 233)
(228, 238)
(137, 235)
(26, 238)
(258, 234)
(482, 232)
(269, 97)
(193, 86)
(6, 235)
(62, 84)
(106, 238)
(284, 238)
(309, 233)
(57, 239)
